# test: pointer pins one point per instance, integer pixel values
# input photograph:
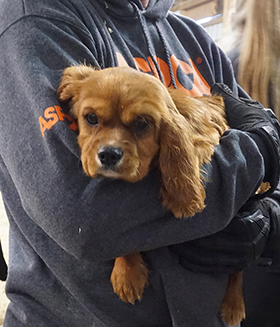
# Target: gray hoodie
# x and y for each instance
(66, 228)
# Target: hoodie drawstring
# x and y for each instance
(149, 46)
(167, 55)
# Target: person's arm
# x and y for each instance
(255, 229)
(96, 219)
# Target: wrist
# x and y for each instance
(264, 153)
(267, 141)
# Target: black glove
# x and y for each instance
(271, 209)
(3, 266)
(232, 249)
(250, 116)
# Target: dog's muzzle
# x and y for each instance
(110, 156)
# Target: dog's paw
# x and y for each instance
(188, 210)
(129, 281)
(233, 312)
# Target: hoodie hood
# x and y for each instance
(157, 9)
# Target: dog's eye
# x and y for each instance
(91, 119)
(140, 124)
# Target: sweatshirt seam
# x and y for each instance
(46, 17)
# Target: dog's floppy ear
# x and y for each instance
(71, 80)
(182, 190)
(206, 116)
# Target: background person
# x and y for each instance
(251, 40)
(3, 266)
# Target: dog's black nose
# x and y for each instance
(110, 156)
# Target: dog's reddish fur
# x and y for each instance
(179, 138)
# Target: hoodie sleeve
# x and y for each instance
(94, 219)
(213, 64)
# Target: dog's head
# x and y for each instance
(119, 113)
(127, 120)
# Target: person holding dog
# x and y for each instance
(251, 41)
(66, 228)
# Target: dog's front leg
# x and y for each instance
(129, 277)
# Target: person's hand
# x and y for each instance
(250, 116)
(235, 247)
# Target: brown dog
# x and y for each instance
(129, 121)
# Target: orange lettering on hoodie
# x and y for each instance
(51, 116)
